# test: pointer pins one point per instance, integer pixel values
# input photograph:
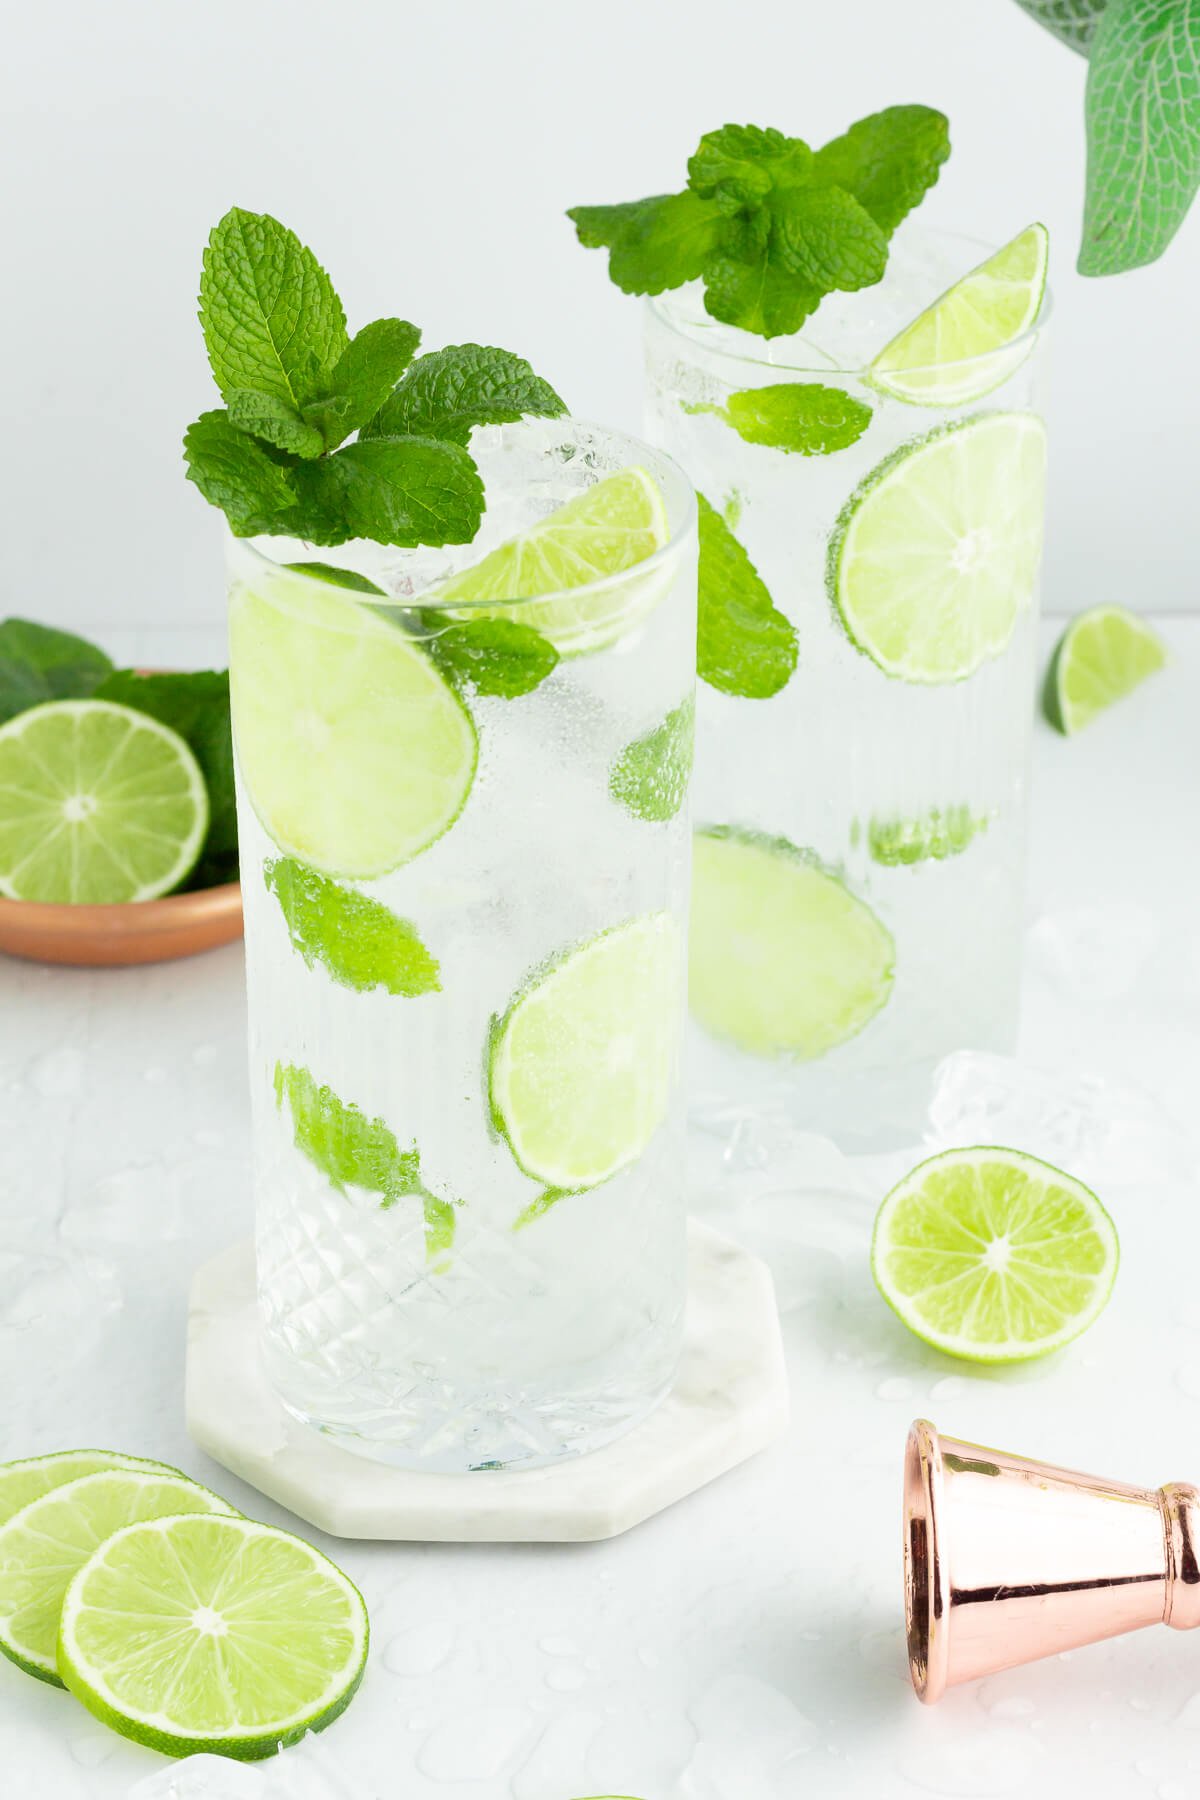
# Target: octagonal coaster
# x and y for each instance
(729, 1401)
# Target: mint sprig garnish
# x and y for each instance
(769, 225)
(296, 386)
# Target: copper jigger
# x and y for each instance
(1007, 1560)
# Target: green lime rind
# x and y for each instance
(272, 1637)
(361, 943)
(32, 1476)
(934, 835)
(1102, 655)
(785, 961)
(650, 776)
(993, 1255)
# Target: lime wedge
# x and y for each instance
(607, 529)
(581, 1066)
(1101, 656)
(355, 752)
(43, 1545)
(936, 554)
(966, 343)
(785, 960)
(992, 1255)
(33, 1476)
(98, 804)
(212, 1634)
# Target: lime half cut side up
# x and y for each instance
(355, 752)
(1102, 656)
(973, 337)
(196, 1634)
(935, 556)
(993, 1255)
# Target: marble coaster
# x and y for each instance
(729, 1401)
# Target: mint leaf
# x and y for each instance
(271, 319)
(887, 161)
(496, 656)
(38, 663)
(362, 378)
(397, 490)
(1143, 129)
(650, 776)
(346, 578)
(653, 244)
(1072, 21)
(763, 295)
(803, 417)
(263, 416)
(828, 240)
(361, 943)
(743, 645)
(447, 393)
(236, 474)
(740, 164)
(545, 1200)
(350, 1149)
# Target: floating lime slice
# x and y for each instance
(33, 1476)
(601, 533)
(355, 752)
(785, 960)
(43, 1544)
(98, 804)
(1101, 656)
(582, 1064)
(992, 1255)
(967, 342)
(935, 555)
(212, 1634)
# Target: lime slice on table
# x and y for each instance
(581, 1066)
(993, 1255)
(1101, 656)
(98, 804)
(43, 1544)
(355, 752)
(936, 554)
(609, 528)
(966, 343)
(212, 1634)
(33, 1476)
(785, 960)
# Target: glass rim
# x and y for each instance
(679, 530)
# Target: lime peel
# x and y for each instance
(1102, 655)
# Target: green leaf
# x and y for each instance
(495, 656)
(1143, 129)
(1073, 21)
(799, 416)
(828, 240)
(743, 645)
(447, 393)
(739, 165)
(196, 705)
(349, 1148)
(38, 663)
(764, 295)
(236, 474)
(271, 319)
(650, 776)
(887, 161)
(345, 578)
(401, 490)
(653, 244)
(263, 416)
(363, 377)
(361, 943)
(538, 1207)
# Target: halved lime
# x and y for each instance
(43, 1544)
(936, 554)
(967, 342)
(98, 804)
(609, 528)
(355, 752)
(581, 1066)
(33, 1476)
(993, 1255)
(212, 1634)
(785, 960)
(1101, 656)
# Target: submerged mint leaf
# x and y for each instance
(274, 420)
(272, 321)
(802, 417)
(38, 664)
(939, 833)
(653, 244)
(235, 473)
(448, 392)
(763, 296)
(346, 578)
(403, 491)
(362, 378)
(545, 1200)
(739, 165)
(496, 656)
(887, 161)
(650, 776)
(827, 240)
(362, 943)
(744, 646)
(338, 1138)
(441, 1223)
(1073, 22)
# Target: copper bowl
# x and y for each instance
(136, 931)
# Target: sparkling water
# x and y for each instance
(517, 1344)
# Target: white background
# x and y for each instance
(426, 149)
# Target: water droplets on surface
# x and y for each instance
(475, 1746)
(421, 1650)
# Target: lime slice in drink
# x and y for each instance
(938, 833)
(98, 804)
(581, 1066)
(43, 1545)
(935, 555)
(355, 752)
(607, 529)
(993, 1255)
(33, 1476)
(1101, 656)
(966, 343)
(212, 1634)
(785, 960)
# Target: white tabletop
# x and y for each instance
(745, 1645)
